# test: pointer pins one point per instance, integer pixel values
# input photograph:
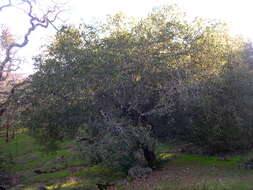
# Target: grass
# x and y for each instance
(29, 156)
(162, 147)
(197, 172)
(180, 171)
(207, 160)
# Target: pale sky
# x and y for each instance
(238, 13)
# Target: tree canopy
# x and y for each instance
(161, 76)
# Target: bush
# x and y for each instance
(117, 147)
(221, 112)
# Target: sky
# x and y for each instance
(238, 13)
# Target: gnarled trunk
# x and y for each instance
(150, 157)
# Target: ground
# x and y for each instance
(33, 167)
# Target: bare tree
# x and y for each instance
(37, 18)
(35, 22)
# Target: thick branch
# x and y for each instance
(34, 23)
(7, 5)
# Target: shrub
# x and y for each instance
(117, 146)
(221, 112)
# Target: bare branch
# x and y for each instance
(35, 22)
(8, 63)
(7, 5)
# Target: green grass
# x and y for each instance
(47, 178)
(100, 173)
(204, 172)
(162, 147)
(29, 156)
(207, 160)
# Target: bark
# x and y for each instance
(7, 127)
(150, 157)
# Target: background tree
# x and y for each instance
(9, 62)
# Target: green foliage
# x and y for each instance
(127, 81)
(221, 112)
(116, 146)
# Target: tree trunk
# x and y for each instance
(7, 132)
(13, 134)
(150, 157)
